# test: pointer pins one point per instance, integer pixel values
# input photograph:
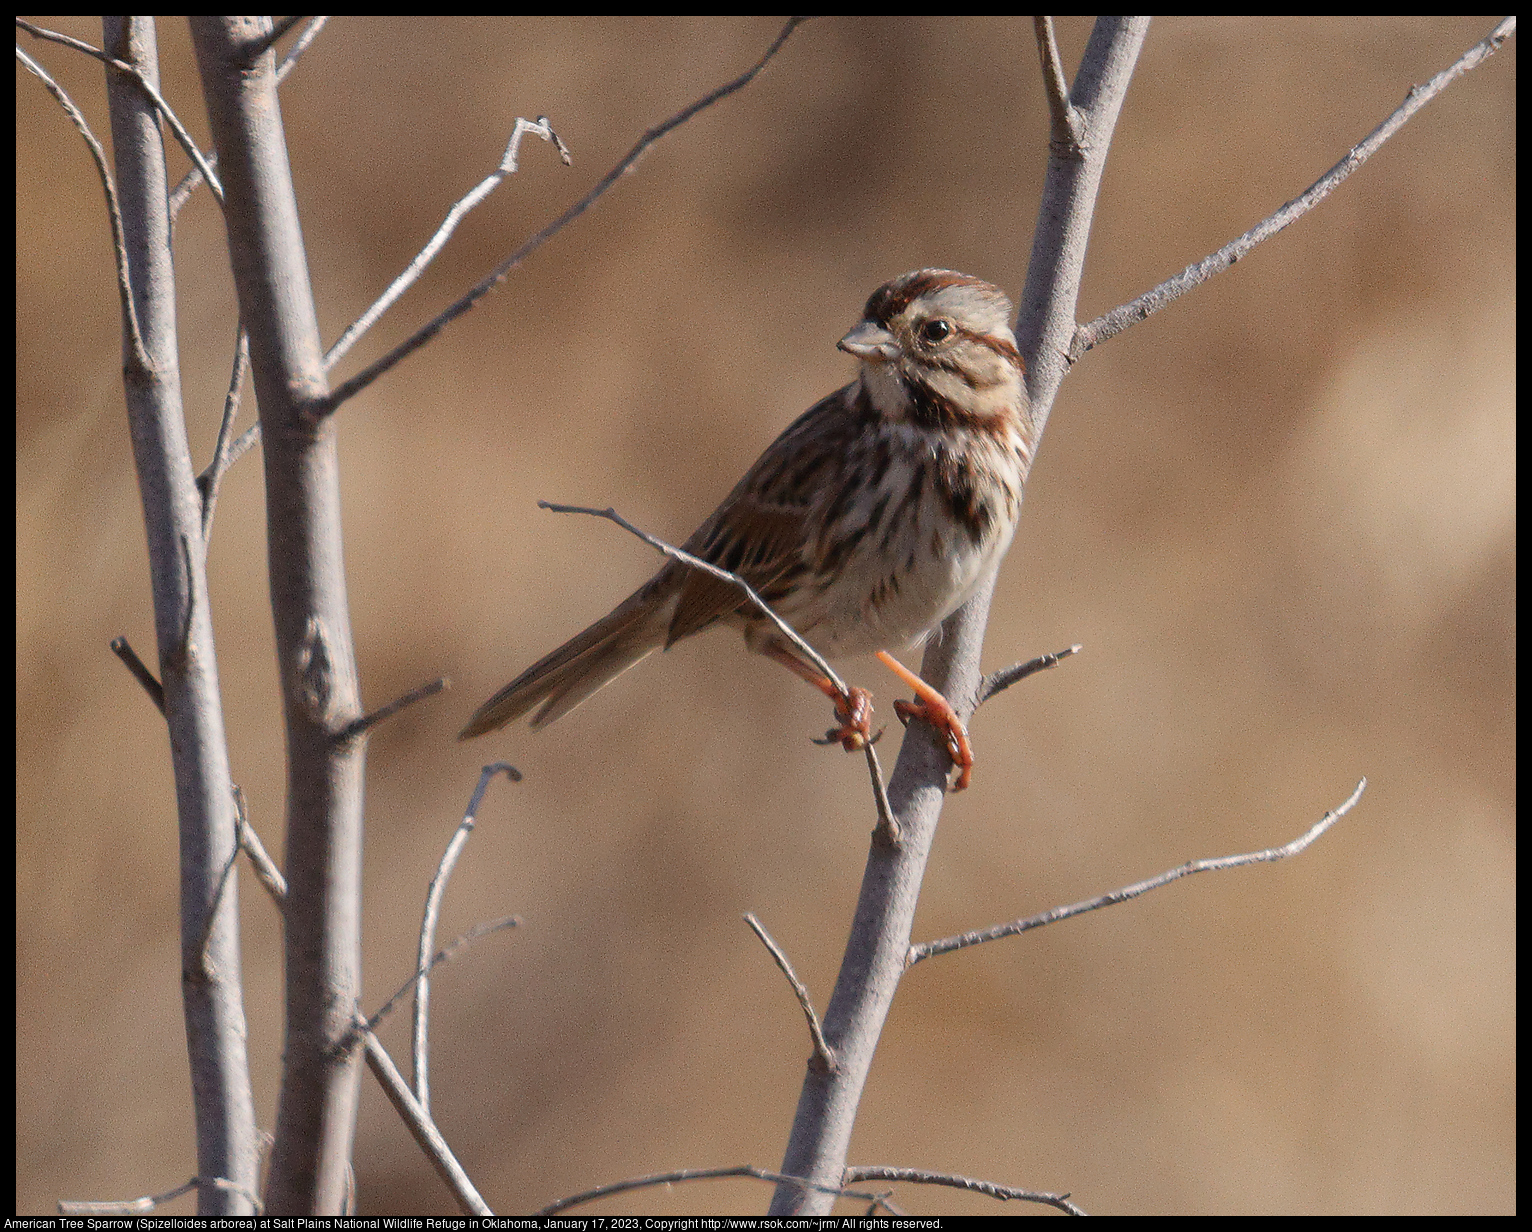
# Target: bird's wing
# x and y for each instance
(762, 529)
(760, 542)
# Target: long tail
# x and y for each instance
(560, 681)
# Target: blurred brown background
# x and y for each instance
(1278, 515)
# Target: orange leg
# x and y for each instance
(938, 712)
(854, 711)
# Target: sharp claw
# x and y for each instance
(854, 712)
(955, 747)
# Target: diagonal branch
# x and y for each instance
(887, 831)
(999, 681)
(928, 949)
(822, 1050)
(459, 211)
(1120, 318)
(138, 355)
(364, 378)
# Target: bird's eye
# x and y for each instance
(938, 330)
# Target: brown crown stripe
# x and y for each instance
(892, 298)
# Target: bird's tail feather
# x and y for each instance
(560, 681)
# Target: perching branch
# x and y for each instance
(875, 954)
(887, 830)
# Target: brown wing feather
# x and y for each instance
(759, 543)
(761, 529)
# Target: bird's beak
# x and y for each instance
(870, 341)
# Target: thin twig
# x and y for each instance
(887, 829)
(697, 1174)
(142, 674)
(129, 1206)
(193, 178)
(138, 355)
(920, 1176)
(1120, 318)
(266, 870)
(928, 949)
(696, 562)
(183, 138)
(412, 272)
(444, 955)
(1003, 679)
(422, 1127)
(1067, 136)
(823, 1053)
(147, 1205)
(250, 437)
(210, 480)
(328, 405)
(420, 1050)
(368, 721)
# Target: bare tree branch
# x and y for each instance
(919, 1176)
(699, 1174)
(368, 721)
(876, 951)
(442, 956)
(928, 949)
(266, 870)
(498, 275)
(420, 1050)
(223, 454)
(212, 998)
(129, 656)
(1120, 318)
(148, 1205)
(822, 1050)
(138, 357)
(999, 681)
(1066, 130)
(459, 211)
(423, 1128)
